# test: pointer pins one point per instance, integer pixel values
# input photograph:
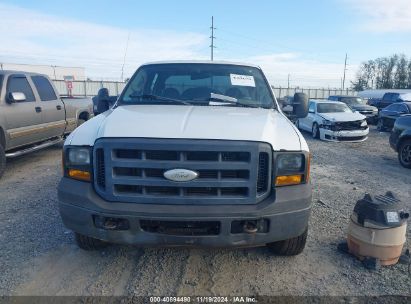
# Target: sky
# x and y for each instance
(306, 40)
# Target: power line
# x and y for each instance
(212, 47)
(263, 45)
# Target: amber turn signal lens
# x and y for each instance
(79, 174)
(287, 180)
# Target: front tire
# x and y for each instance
(89, 243)
(315, 131)
(404, 154)
(2, 161)
(291, 246)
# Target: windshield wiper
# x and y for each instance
(218, 99)
(159, 98)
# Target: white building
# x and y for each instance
(54, 72)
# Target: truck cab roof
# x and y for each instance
(218, 62)
(9, 72)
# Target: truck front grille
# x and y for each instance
(230, 172)
(348, 126)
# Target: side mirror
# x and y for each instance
(15, 97)
(300, 105)
(102, 106)
(101, 101)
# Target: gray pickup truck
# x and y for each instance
(33, 115)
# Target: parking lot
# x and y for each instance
(39, 256)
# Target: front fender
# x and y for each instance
(406, 134)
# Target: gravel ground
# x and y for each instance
(39, 257)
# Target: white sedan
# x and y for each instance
(334, 121)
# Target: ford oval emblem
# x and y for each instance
(180, 175)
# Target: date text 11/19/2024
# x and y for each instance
(205, 299)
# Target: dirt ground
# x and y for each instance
(39, 256)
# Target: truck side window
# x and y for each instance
(395, 97)
(44, 88)
(20, 84)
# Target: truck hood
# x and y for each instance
(340, 117)
(192, 122)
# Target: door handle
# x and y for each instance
(58, 107)
(38, 109)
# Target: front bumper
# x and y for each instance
(287, 212)
(345, 136)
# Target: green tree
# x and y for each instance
(393, 72)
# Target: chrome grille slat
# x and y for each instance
(195, 183)
(230, 172)
(173, 164)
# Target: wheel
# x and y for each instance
(289, 247)
(404, 154)
(380, 125)
(315, 131)
(89, 243)
(80, 122)
(2, 160)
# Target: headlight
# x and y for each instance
(326, 124)
(77, 163)
(289, 162)
(363, 123)
(291, 168)
(79, 156)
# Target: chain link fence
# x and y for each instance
(321, 93)
(88, 88)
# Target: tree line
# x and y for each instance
(393, 72)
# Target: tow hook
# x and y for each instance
(250, 227)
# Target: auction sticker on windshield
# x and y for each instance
(242, 80)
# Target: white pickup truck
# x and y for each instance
(192, 154)
(32, 114)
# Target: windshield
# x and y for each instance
(332, 108)
(353, 100)
(198, 84)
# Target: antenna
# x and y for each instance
(124, 59)
(212, 47)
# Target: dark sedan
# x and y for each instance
(358, 104)
(388, 115)
(400, 140)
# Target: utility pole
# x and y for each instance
(288, 81)
(54, 71)
(345, 69)
(212, 47)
